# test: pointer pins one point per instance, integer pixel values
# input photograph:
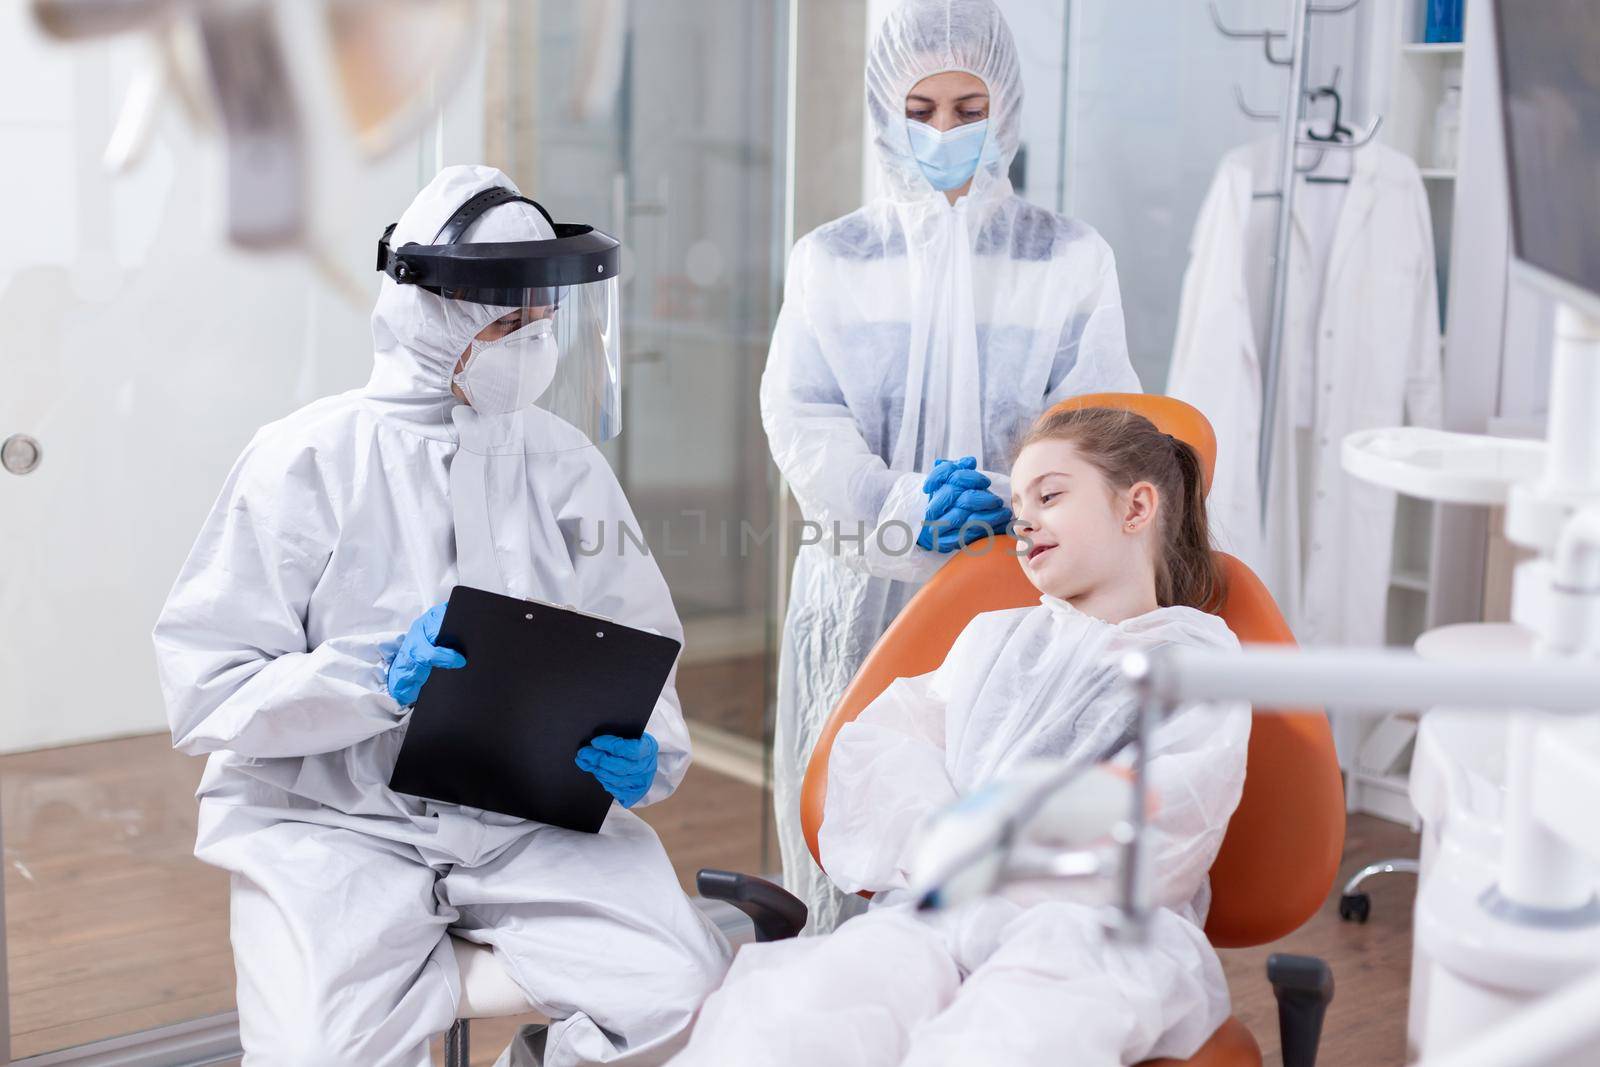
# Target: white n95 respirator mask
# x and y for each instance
(510, 373)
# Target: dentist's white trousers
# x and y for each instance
(341, 940)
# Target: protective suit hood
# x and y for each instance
(416, 344)
(925, 37)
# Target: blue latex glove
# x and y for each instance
(960, 528)
(945, 469)
(625, 767)
(961, 509)
(955, 493)
(418, 656)
(944, 486)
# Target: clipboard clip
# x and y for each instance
(568, 607)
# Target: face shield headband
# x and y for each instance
(502, 273)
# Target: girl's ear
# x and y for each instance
(1140, 509)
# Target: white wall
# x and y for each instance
(143, 352)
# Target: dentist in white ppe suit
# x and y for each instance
(932, 324)
(337, 528)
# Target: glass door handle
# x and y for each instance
(20, 454)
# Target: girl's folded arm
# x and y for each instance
(886, 773)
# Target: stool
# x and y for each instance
(487, 992)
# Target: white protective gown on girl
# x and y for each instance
(1026, 977)
(337, 527)
(913, 330)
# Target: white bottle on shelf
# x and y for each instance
(1447, 128)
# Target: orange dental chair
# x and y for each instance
(1281, 851)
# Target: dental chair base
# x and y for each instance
(1302, 984)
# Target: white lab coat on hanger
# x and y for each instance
(1363, 324)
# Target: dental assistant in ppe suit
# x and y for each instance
(919, 336)
(300, 630)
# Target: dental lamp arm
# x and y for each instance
(1193, 775)
(1039, 823)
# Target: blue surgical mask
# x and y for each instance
(949, 159)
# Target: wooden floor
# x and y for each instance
(112, 926)
(729, 694)
(1366, 1023)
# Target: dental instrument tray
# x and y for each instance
(502, 733)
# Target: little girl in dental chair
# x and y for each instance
(1111, 513)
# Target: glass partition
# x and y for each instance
(1130, 107)
(661, 122)
(140, 352)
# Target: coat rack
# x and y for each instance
(1298, 40)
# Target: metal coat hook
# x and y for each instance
(1252, 112)
(1316, 159)
(1266, 37)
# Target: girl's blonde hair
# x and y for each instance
(1126, 448)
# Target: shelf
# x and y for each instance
(1418, 48)
(1438, 174)
(1387, 796)
(1395, 783)
(1452, 468)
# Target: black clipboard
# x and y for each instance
(502, 733)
